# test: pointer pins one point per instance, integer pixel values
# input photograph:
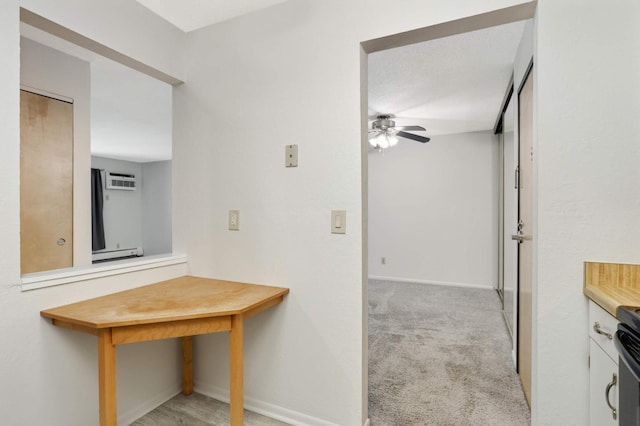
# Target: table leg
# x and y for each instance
(187, 365)
(107, 379)
(236, 371)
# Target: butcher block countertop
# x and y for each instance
(612, 285)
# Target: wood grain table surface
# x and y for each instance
(182, 307)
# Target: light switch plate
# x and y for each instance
(234, 220)
(291, 155)
(338, 221)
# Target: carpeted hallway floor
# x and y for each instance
(440, 356)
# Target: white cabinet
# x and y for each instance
(603, 368)
(603, 387)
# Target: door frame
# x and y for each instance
(525, 77)
(519, 12)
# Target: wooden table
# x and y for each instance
(181, 307)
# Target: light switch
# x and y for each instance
(338, 221)
(291, 155)
(234, 220)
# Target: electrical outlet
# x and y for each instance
(291, 156)
(234, 220)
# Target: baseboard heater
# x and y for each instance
(105, 256)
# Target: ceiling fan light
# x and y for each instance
(393, 139)
(382, 140)
(372, 140)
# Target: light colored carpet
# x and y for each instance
(440, 356)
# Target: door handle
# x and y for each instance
(614, 381)
(61, 241)
(599, 330)
(520, 237)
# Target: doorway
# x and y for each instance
(378, 260)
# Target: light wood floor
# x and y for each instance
(198, 410)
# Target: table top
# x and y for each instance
(177, 299)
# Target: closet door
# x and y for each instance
(46, 183)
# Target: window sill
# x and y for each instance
(83, 273)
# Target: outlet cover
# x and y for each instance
(234, 220)
(291, 155)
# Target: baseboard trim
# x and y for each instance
(134, 413)
(368, 422)
(442, 283)
(266, 409)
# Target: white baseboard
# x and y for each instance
(138, 411)
(368, 422)
(442, 283)
(266, 409)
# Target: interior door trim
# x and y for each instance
(46, 94)
(526, 75)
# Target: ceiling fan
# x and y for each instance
(384, 133)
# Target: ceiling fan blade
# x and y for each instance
(410, 128)
(411, 136)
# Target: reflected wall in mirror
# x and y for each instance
(121, 124)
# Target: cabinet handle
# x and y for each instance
(597, 329)
(614, 381)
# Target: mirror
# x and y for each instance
(121, 123)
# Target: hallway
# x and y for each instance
(440, 356)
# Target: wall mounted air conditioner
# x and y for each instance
(120, 181)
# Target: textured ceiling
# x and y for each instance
(450, 85)
(189, 15)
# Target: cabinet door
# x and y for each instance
(601, 375)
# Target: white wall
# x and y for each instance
(47, 69)
(122, 210)
(261, 81)
(587, 154)
(123, 25)
(49, 375)
(156, 207)
(140, 218)
(433, 210)
(286, 75)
